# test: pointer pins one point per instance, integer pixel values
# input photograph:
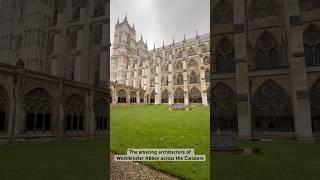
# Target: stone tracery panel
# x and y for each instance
(225, 57)
(38, 111)
(223, 13)
(272, 108)
(122, 96)
(195, 95)
(101, 115)
(193, 78)
(178, 96)
(309, 5)
(263, 8)
(165, 96)
(74, 113)
(311, 40)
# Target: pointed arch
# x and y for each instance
(267, 52)
(122, 96)
(272, 109)
(193, 78)
(191, 51)
(74, 113)
(223, 13)
(309, 5)
(224, 108)
(141, 96)
(225, 58)
(315, 106)
(179, 79)
(179, 65)
(311, 40)
(133, 97)
(38, 110)
(99, 9)
(165, 96)
(178, 96)
(195, 95)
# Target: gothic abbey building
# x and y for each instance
(176, 73)
(265, 68)
(53, 69)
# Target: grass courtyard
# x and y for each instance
(85, 160)
(150, 126)
(283, 160)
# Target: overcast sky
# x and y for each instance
(161, 20)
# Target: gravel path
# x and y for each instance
(121, 170)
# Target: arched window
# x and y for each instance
(194, 78)
(225, 59)
(311, 39)
(179, 96)
(133, 97)
(224, 108)
(309, 5)
(74, 113)
(152, 97)
(99, 9)
(3, 110)
(122, 96)
(38, 111)
(195, 95)
(165, 96)
(152, 82)
(179, 53)
(164, 81)
(101, 115)
(315, 106)
(206, 60)
(207, 76)
(191, 52)
(179, 65)
(267, 52)
(223, 13)
(96, 35)
(192, 63)
(179, 79)
(272, 108)
(263, 8)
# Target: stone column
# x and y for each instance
(158, 82)
(170, 81)
(242, 79)
(91, 124)
(203, 83)
(185, 82)
(300, 95)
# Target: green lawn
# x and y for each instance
(151, 126)
(283, 160)
(85, 160)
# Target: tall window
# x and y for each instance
(38, 111)
(165, 96)
(223, 13)
(311, 39)
(179, 65)
(194, 78)
(74, 113)
(195, 95)
(152, 97)
(225, 59)
(315, 106)
(133, 97)
(99, 9)
(267, 52)
(179, 96)
(179, 79)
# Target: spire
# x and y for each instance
(154, 46)
(162, 44)
(118, 21)
(197, 36)
(173, 41)
(141, 38)
(126, 18)
(133, 26)
(147, 44)
(184, 38)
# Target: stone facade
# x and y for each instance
(265, 69)
(54, 69)
(176, 73)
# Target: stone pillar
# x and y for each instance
(91, 123)
(19, 123)
(60, 111)
(242, 79)
(138, 97)
(158, 82)
(300, 95)
(185, 82)
(170, 81)
(203, 83)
